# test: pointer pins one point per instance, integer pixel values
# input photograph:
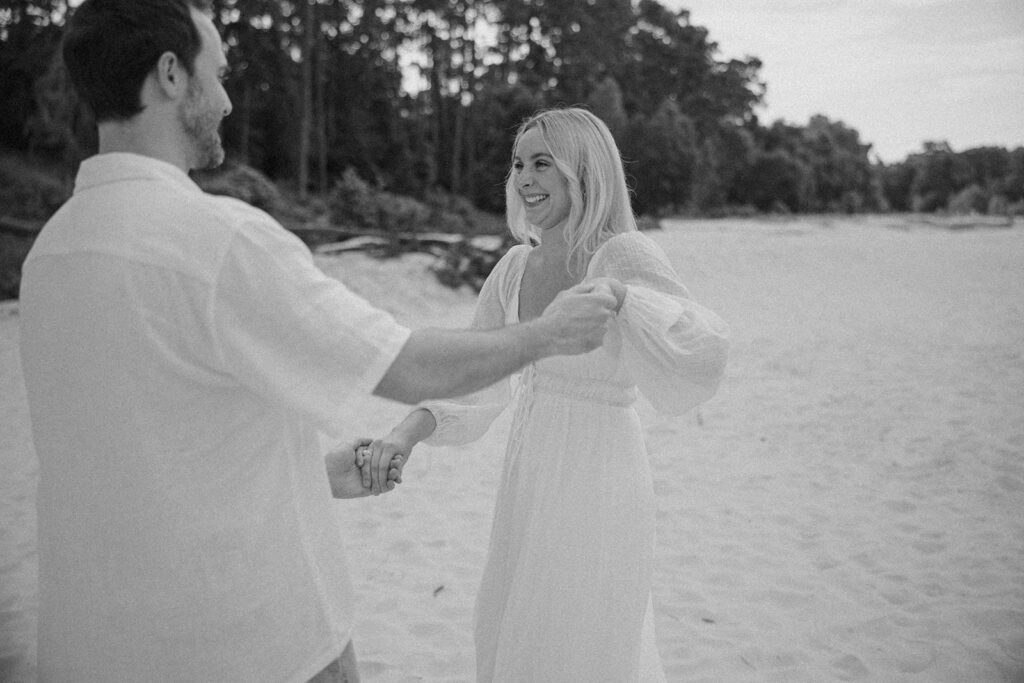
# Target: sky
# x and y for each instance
(898, 71)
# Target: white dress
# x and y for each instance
(566, 591)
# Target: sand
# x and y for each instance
(849, 507)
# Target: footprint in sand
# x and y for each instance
(850, 668)
(928, 547)
(901, 506)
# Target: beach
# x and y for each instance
(848, 507)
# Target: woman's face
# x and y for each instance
(542, 187)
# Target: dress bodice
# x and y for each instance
(661, 343)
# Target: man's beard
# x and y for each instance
(202, 128)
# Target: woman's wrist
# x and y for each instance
(417, 426)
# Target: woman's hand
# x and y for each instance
(386, 457)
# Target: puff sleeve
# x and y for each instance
(673, 348)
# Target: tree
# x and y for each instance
(662, 151)
(939, 174)
(776, 181)
(605, 101)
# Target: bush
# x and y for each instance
(13, 251)
(241, 182)
(971, 199)
(398, 213)
(352, 202)
(356, 203)
(998, 206)
(466, 263)
(29, 192)
(29, 195)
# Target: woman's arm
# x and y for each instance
(389, 454)
(674, 348)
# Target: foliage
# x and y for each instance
(390, 110)
(971, 199)
(776, 181)
(13, 250)
(30, 191)
(29, 194)
(661, 154)
(979, 180)
(241, 182)
(356, 204)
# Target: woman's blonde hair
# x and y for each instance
(585, 152)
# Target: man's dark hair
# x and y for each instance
(110, 46)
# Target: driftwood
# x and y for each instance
(967, 222)
(461, 259)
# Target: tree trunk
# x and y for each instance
(321, 116)
(470, 128)
(438, 78)
(306, 125)
(245, 132)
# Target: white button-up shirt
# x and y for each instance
(184, 358)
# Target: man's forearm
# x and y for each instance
(438, 363)
(444, 363)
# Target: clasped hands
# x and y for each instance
(365, 467)
(374, 466)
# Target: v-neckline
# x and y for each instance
(518, 303)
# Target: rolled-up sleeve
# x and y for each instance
(293, 335)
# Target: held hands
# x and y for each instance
(346, 466)
(381, 468)
(579, 316)
(617, 289)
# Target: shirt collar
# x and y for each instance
(113, 167)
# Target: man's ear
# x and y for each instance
(171, 77)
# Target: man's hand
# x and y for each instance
(616, 288)
(577, 319)
(345, 476)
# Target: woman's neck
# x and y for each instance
(554, 244)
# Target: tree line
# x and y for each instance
(419, 97)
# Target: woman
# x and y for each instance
(565, 594)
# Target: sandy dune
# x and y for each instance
(849, 507)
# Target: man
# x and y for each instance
(183, 358)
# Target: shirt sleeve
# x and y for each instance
(673, 348)
(467, 418)
(294, 336)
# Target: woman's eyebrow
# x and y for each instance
(533, 156)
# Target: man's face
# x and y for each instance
(206, 103)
